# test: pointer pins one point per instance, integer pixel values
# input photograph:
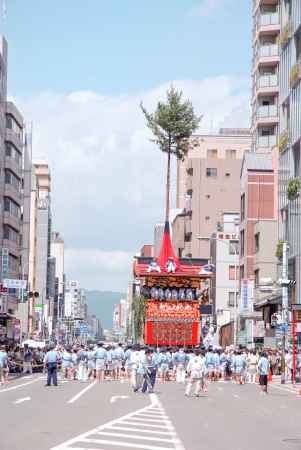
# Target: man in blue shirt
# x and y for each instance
(263, 370)
(50, 362)
(27, 362)
(100, 362)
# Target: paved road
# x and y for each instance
(109, 416)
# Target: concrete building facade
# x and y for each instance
(208, 184)
(43, 234)
(290, 138)
(224, 247)
(265, 74)
(15, 207)
(58, 252)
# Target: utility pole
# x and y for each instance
(284, 308)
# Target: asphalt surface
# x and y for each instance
(109, 416)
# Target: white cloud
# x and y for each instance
(107, 178)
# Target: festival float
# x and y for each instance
(167, 309)
(173, 292)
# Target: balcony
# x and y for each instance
(12, 192)
(11, 164)
(267, 55)
(11, 246)
(257, 3)
(268, 23)
(14, 138)
(269, 141)
(13, 221)
(267, 84)
(267, 115)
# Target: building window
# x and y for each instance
(256, 242)
(207, 218)
(10, 178)
(211, 172)
(242, 243)
(13, 263)
(233, 273)
(190, 171)
(212, 153)
(242, 272)
(11, 207)
(230, 154)
(231, 299)
(12, 124)
(242, 206)
(233, 247)
(256, 275)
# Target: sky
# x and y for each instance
(78, 71)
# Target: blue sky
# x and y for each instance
(123, 46)
(79, 70)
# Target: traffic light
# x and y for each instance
(32, 294)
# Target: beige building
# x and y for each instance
(208, 184)
(39, 254)
(58, 252)
(265, 74)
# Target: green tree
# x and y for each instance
(172, 125)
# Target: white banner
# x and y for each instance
(9, 283)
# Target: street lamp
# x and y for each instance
(236, 279)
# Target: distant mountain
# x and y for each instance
(101, 303)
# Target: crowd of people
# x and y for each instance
(143, 365)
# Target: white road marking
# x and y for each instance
(18, 386)
(285, 389)
(124, 444)
(82, 392)
(21, 400)
(133, 436)
(125, 430)
(116, 397)
(142, 424)
(114, 427)
(236, 396)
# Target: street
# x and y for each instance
(110, 416)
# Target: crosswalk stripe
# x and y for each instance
(139, 430)
(148, 428)
(142, 424)
(125, 444)
(154, 416)
(134, 436)
(146, 420)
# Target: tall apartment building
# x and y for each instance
(208, 184)
(43, 238)
(75, 301)
(290, 137)
(265, 74)
(14, 192)
(58, 251)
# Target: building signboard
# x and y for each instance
(247, 295)
(14, 284)
(4, 261)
